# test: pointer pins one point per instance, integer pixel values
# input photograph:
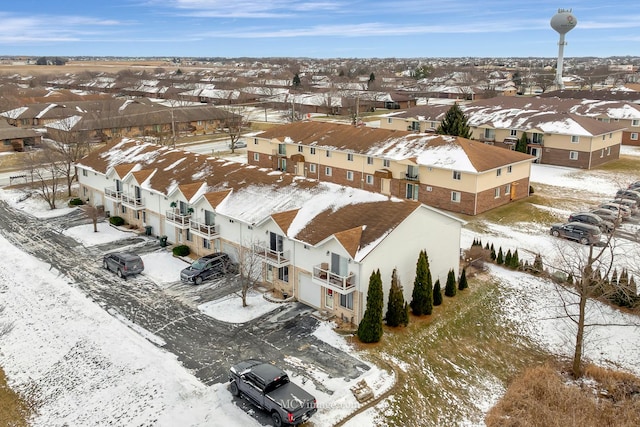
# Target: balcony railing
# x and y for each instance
(411, 177)
(270, 256)
(208, 231)
(323, 276)
(132, 201)
(112, 193)
(177, 218)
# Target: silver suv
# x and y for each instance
(124, 264)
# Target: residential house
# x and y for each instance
(16, 139)
(449, 173)
(316, 241)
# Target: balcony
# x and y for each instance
(323, 276)
(208, 231)
(113, 194)
(272, 257)
(411, 177)
(180, 220)
(132, 202)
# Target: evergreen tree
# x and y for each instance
(500, 257)
(296, 81)
(507, 258)
(493, 253)
(437, 293)
(422, 296)
(537, 264)
(454, 123)
(521, 146)
(396, 304)
(450, 287)
(515, 261)
(370, 327)
(614, 277)
(405, 315)
(462, 283)
(487, 246)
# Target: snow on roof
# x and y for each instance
(15, 113)
(65, 124)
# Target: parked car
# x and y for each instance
(608, 215)
(213, 265)
(583, 233)
(630, 203)
(620, 210)
(592, 219)
(124, 264)
(269, 388)
(239, 144)
(628, 194)
(634, 186)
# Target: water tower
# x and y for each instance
(562, 22)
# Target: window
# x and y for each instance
(327, 153)
(206, 243)
(389, 120)
(490, 134)
(573, 155)
(513, 132)
(455, 196)
(282, 149)
(509, 169)
(350, 157)
(498, 171)
(507, 189)
(536, 138)
(457, 175)
(312, 168)
(634, 136)
(346, 301)
(635, 122)
(300, 149)
(369, 179)
(369, 160)
(610, 135)
(412, 191)
(312, 150)
(496, 192)
(386, 163)
(283, 274)
(256, 157)
(255, 141)
(84, 172)
(327, 171)
(349, 175)
(575, 139)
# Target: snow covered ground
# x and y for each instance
(86, 367)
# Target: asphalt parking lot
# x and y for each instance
(206, 346)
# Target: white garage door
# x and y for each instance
(309, 292)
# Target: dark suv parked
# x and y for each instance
(213, 265)
(593, 219)
(124, 264)
(583, 233)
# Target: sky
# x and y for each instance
(66, 348)
(315, 28)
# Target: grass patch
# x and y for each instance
(14, 411)
(542, 396)
(630, 164)
(457, 361)
(523, 210)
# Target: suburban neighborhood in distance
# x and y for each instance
(204, 241)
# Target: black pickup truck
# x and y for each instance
(269, 388)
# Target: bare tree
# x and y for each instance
(250, 267)
(45, 169)
(235, 123)
(70, 146)
(588, 278)
(93, 213)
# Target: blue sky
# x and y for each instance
(318, 29)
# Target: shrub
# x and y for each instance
(76, 202)
(116, 220)
(181, 250)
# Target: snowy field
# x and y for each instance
(85, 367)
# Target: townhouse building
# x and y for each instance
(580, 135)
(450, 173)
(316, 241)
